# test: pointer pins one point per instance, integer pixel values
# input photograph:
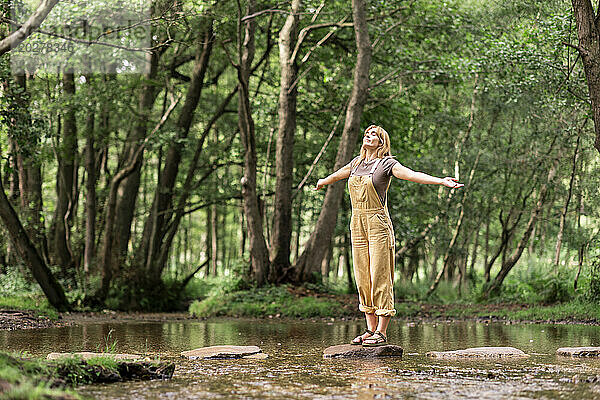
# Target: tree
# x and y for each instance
(319, 242)
(18, 235)
(588, 32)
(30, 26)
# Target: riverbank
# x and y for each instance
(289, 302)
(286, 302)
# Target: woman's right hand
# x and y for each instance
(320, 184)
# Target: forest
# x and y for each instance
(144, 176)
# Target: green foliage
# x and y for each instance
(438, 69)
(134, 295)
(593, 293)
(538, 286)
(445, 293)
(267, 301)
(407, 309)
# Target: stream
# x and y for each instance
(295, 367)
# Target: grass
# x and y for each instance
(27, 378)
(285, 301)
(576, 310)
(31, 302)
(280, 301)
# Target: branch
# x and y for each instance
(117, 46)
(318, 157)
(568, 74)
(34, 21)
(324, 39)
(307, 29)
(190, 276)
(580, 49)
(259, 13)
(236, 66)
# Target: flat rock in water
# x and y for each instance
(350, 351)
(479, 352)
(86, 355)
(222, 352)
(579, 351)
(257, 356)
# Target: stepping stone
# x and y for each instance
(579, 351)
(479, 352)
(257, 356)
(222, 352)
(86, 355)
(350, 351)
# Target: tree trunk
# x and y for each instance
(214, 245)
(28, 170)
(486, 273)
(66, 179)
(259, 255)
(582, 245)
(27, 251)
(588, 32)
(161, 210)
(514, 257)
(284, 160)
(474, 253)
(90, 188)
(456, 229)
(299, 206)
(318, 243)
(325, 265)
(209, 240)
(413, 263)
(243, 233)
(129, 188)
(563, 214)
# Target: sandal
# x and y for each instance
(357, 341)
(378, 339)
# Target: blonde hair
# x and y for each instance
(383, 150)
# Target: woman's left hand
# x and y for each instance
(452, 182)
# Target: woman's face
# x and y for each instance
(371, 140)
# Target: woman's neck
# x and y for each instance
(371, 154)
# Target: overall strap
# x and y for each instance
(374, 167)
(355, 167)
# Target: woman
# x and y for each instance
(371, 228)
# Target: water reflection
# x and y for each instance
(296, 369)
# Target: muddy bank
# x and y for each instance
(23, 319)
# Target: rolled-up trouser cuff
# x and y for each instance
(367, 309)
(385, 313)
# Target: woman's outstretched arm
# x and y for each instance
(340, 174)
(402, 172)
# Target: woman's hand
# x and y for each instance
(320, 184)
(452, 182)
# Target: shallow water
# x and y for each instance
(296, 369)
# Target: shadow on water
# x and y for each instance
(296, 369)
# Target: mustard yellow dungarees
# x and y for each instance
(372, 245)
